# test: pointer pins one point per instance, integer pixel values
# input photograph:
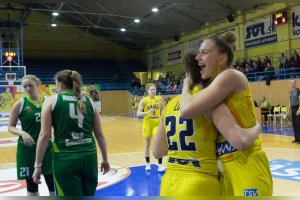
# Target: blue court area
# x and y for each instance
(138, 183)
(285, 169)
(277, 130)
(144, 183)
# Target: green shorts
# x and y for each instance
(75, 174)
(26, 159)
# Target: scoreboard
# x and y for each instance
(279, 18)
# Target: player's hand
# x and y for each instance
(37, 175)
(28, 140)
(152, 111)
(105, 167)
(298, 112)
(187, 82)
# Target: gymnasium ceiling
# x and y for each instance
(104, 18)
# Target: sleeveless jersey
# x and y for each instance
(152, 103)
(30, 117)
(242, 108)
(72, 129)
(190, 139)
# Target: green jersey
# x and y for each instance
(73, 130)
(30, 117)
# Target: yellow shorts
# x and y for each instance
(247, 175)
(184, 183)
(150, 127)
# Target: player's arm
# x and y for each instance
(140, 112)
(238, 137)
(12, 124)
(162, 104)
(229, 81)
(44, 137)
(160, 141)
(101, 141)
(13, 119)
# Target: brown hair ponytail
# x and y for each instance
(72, 81)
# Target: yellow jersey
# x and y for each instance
(154, 103)
(242, 108)
(191, 142)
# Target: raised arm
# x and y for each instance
(238, 137)
(228, 82)
(160, 141)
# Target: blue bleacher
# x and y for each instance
(99, 71)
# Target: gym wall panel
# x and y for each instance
(116, 102)
(277, 93)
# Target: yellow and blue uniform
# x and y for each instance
(246, 173)
(151, 120)
(192, 163)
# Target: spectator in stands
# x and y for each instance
(264, 103)
(283, 63)
(135, 82)
(295, 61)
(270, 72)
(266, 107)
(179, 85)
(260, 65)
(172, 87)
(116, 78)
(266, 61)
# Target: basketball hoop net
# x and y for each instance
(10, 78)
(10, 82)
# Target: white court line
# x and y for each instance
(8, 164)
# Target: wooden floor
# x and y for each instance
(126, 147)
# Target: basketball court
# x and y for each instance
(128, 177)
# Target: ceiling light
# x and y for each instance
(136, 20)
(54, 25)
(123, 29)
(154, 9)
(55, 14)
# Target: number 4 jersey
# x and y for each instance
(191, 142)
(73, 130)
